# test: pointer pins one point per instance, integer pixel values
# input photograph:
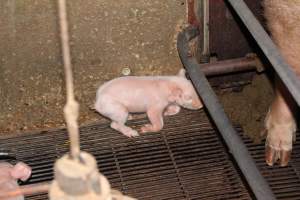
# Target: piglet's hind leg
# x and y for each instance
(129, 132)
(118, 114)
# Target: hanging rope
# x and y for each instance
(71, 109)
(71, 112)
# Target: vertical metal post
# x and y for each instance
(201, 8)
(205, 23)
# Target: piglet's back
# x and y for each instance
(132, 86)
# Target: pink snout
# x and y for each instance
(21, 171)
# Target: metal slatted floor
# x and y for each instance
(285, 181)
(186, 160)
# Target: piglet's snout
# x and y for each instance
(21, 171)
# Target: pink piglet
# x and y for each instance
(155, 95)
(9, 175)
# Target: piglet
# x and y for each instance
(155, 95)
(9, 175)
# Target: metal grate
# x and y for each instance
(186, 160)
(285, 181)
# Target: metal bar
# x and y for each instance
(229, 66)
(284, 71)
(256, 181)
(7, 153)
(205, 23)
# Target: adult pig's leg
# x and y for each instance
(281, 127)
(284, 24)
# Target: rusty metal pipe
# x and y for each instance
(248, 63)
(25, 190)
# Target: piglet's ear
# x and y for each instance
(181, 73)
(176, 94)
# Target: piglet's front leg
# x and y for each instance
(172, 109)
(155, 116)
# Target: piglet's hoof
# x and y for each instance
(272, 156)
(150, 128)
(131, 133)
(146, 128)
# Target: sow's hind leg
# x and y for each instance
(284, 25)
(280, 128)
(119, 115)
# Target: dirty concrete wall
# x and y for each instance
(106, 36)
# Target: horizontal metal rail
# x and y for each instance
(239, 151)
(284, 71)
(248, 63)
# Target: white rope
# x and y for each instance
(71, 109)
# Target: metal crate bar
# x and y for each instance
(284, 71)
(239, 151)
